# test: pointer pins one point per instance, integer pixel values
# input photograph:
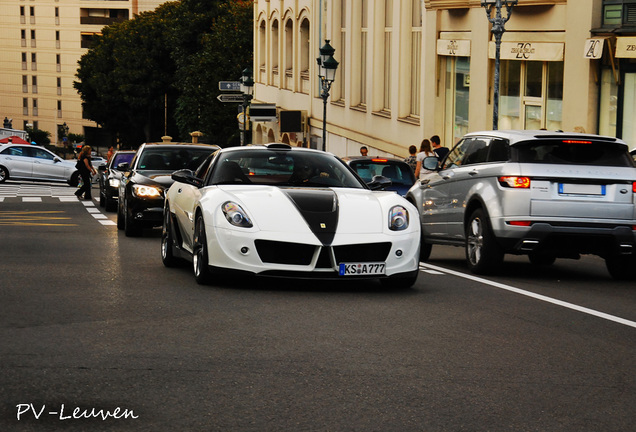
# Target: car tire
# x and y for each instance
(102, 199)
(621, 267)
(110, 205)
(131, 229)
(200, 261)
(543, 259)
(401, 281)
(4, 174)
(425, 250)
(120, 217)
(483, 254)
(167, 253)
(74, 180)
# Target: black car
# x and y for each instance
(109, 178)
(145, 179)
(396, 170)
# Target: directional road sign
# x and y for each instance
(229, 85)
(232, 97)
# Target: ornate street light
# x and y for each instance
(498, 29)
(247, 88)
(327, 74)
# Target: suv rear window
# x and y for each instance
(572, 152)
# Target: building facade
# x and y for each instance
(42, 41)
(410, 69)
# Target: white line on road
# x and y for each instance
(537, 296)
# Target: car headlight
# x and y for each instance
(236, 215)
(143, 191)
(114, 183)
(398, 218)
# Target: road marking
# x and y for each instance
(561, 303)
(32, 199)
(33, 218)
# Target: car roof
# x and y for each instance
(515, 136)
(275, 146)
(178, 144)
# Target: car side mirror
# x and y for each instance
(379, 182)
(431, 163)
(187, 176)
(57, 159)
(124, 166)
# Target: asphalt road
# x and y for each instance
(93, 325)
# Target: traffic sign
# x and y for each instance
(229, 85)
(233, 97)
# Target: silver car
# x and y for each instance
(29, 162)
(544, 194)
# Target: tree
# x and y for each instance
(124, 78)
(224, 46)
(39, 136)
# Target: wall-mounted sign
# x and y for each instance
(626, 47)
(542, 51)
(594, 48)
(457, 47)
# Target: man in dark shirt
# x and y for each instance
(440, 151)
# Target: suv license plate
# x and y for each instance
(581, 189)
(358, 269)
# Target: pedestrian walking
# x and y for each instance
(85, 169)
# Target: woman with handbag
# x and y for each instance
(85, 169)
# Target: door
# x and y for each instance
(18, 161)
(47, 166)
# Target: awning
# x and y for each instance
(14, 139)
(594, 48)
(541, 51)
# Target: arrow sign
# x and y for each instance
(237, 97)
(229, 85)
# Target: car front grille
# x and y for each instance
(275, 252)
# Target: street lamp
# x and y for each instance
(247, 88)
(327, 74)
(498, 29)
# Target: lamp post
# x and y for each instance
(247, 88)
(498, 29)
(327, 74)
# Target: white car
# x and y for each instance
(30, 162)
(280, 211)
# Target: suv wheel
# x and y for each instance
(621, 267)
(483, 254)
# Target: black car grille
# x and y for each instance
(275, 252)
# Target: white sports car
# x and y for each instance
(280, 211)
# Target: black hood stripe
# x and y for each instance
(319, 208)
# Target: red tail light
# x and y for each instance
(515, 182)
(519, 223)
(634, 187)
(379, 160)
(576, 142)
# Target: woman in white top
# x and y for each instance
(425, 151)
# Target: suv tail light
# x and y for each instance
(515, 182)
(634, 187)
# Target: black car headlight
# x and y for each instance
(143, 191)
(236, 215)
(398, 218)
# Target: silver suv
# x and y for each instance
(544, 194)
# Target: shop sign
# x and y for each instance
(626, 47)
(594, 48)
(542, 51)
(455, 47)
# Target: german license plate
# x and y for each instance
(360, 269)
(581, 189)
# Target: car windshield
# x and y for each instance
(398, 173)
(283, 168)
(172, 159)
(573, 152)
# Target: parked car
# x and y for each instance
(633, 153)
(396, 170)
(147, 176)
(109, 177)
(544, 194)
(285, 211)
(30, 162)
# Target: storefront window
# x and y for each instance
(457, 89)
(509, 94)
(629, 109)
(534, 89)
(608, 108)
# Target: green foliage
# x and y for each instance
(181, 50)
(75, 138)
(41, 137)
